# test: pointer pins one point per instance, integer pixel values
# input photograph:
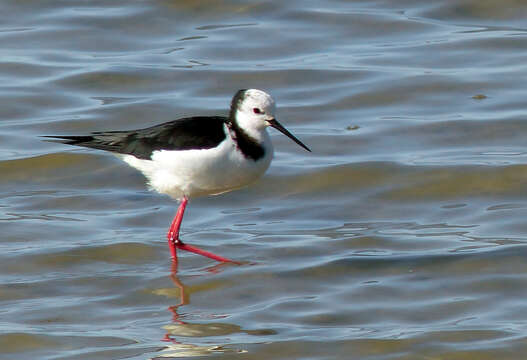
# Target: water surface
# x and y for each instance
(401, 236)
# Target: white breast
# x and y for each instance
(202, 172)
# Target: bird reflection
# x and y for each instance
(181, 327)
(183, 296)
(184, 328)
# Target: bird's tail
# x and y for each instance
(70, 140)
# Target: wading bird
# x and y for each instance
(199, 155)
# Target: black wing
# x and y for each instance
(199, 132)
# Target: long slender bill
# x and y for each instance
(274, 123)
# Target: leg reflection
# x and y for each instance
(179, 326)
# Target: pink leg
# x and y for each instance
(173, 231)
(197, 250)
(175, 243)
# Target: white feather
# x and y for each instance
(194, 173)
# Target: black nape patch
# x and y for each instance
(236, 100)
(249, 147)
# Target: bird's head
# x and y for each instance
(253, 110)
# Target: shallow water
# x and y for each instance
(401, 236)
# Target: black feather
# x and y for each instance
(199, 132)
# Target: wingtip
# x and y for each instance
(53, 139)
(68, 140)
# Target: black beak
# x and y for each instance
(274, 123)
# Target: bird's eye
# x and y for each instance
(257, 111)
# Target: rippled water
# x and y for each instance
(402, 236)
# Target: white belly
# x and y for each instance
(201, 172)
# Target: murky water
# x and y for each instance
(402, 236)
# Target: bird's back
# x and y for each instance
(191, 133)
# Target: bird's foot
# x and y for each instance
(197, 250)
(175, 243)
